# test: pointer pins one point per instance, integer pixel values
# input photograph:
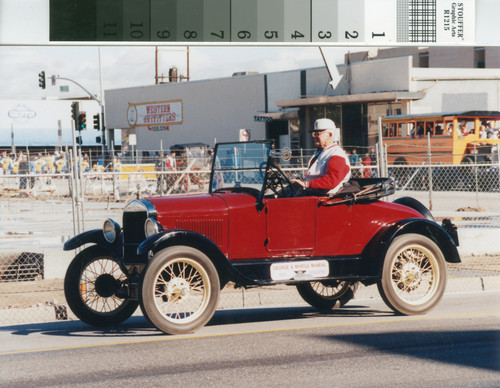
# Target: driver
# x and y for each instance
(329, 167)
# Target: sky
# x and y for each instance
(127, 66)
(120, 67)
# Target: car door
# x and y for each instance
(290, 225)
(334, 229)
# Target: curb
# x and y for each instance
(455, 285)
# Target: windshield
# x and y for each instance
(239, 165)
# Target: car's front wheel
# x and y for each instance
(91, 285)
(327, 294)
(413, 275)
(180, 290)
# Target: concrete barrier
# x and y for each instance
(479, 241)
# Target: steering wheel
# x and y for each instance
(278, 182)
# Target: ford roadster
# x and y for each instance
(173, 255)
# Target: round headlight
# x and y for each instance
(150, 227)
(109, 231)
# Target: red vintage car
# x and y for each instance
(174, 254)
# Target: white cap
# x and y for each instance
(329, 126)
(324, 125)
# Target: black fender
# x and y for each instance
(415, 205)
(376, 249)
(169, 238)
(96, 236)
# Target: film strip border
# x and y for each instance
(262, 21)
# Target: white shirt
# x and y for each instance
(329, 169)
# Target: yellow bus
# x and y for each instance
(457, 137)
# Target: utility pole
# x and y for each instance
(156, 65)
(13, 146)
(188, 63)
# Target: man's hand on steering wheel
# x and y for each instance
(298, 182)
(279, 183)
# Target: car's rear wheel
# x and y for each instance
(91, 284)
(327, 294)
(413, 275)
(180, 290)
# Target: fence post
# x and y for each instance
(382, 158)
(75, 194)
(429, 169)
(116, 185)
(74, 201)
(81, 187)
(476, 183)
(377, 157)
(71, 189)
(498, 162)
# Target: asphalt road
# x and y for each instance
(362, 345)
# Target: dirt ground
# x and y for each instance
(31, 293)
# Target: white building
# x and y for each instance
(284, 105)
(43, 123)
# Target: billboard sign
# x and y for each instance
(149, 114)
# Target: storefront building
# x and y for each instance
(284, 105)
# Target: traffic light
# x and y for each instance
(82, 121)
(97, 122)
(41, 79)
(98, 139)
(79, 140)
(74, 110)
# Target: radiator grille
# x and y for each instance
(133, 234)
(133, 226)
(211, 228)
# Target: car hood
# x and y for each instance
(206, 214)
(187, 206)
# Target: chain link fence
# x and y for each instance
(463, 178)
(38, 212)
(27, 266)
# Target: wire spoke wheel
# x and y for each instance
(180, 290)
(98, 283)
(328, 291)
(90, 286)
(327, 294)
(414, 275)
